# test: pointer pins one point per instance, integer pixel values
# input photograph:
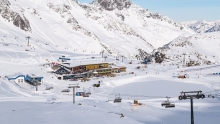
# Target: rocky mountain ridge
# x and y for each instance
(203, 26)
(199, 49)
(91, 27)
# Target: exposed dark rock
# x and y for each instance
(159, 57)
(113, 4)
(14, 17)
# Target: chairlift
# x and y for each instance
(80, 93)
(117, 99)
(210, 96)
(65, 90)
(86, 95)
(167, 103)
(171, 105)
(89, 93)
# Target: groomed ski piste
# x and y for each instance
(151, 86)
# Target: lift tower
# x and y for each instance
(191, 95)
(28, 38)
(74, 87)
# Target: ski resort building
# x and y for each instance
(85, 67)
(33, 79)
(17, 78)
(73, 71)
(63, 59)
(62, 70)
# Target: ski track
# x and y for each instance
(8, 56)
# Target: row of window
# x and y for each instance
(20, 80)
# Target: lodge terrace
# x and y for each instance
(66, 71)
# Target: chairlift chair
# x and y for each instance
(65, 90)
(89, 93)
(210, 96)
(80, 93)
(117, 99)
(166, 103)
(171, 105)
(86, 95)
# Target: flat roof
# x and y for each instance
(118, 67)
(70, 65)
(34, 76)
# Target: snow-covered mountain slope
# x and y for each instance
(155, 28)
(202, 26)
(214, 28)
(67, 24)
(200, 49)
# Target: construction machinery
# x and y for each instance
(136, 103)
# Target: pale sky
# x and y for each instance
(181, 10)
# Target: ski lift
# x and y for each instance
(167, 103)
(80, 93)
(171, 105)
(89, 92)
(65, 90)
(86, 95)
(197, 94)
(117, 99)
(210, 96)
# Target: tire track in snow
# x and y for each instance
(16, 58)
(26, 60)
(6, 91)
(8, 56)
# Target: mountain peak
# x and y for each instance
(202, 21)
(114, 4)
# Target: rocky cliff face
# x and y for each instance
(17, 19)
(203, 26)
(114, 4)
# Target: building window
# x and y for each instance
(21, 80)
(18, 80)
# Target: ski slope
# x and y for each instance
(151, 88)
